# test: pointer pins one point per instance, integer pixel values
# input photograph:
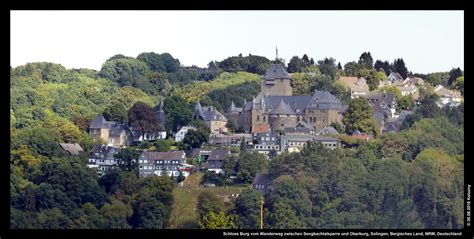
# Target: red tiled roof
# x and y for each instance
(261, 128)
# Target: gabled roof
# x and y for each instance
(297, 103)
(261, 128)
(282, 109)
(355, 83)
(323, 100)
(211, 114)
(297, 130)
(232, 108)
(219, 154)
(104, 150)
(98, 123)
(170, 155)
(73, 149)
(391, 127)
(394, 76)
(328, 130)
(276, 71)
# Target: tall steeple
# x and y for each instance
(198, 110)
(276, 55)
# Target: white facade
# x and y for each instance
(179, 136)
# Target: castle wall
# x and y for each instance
(282, 121)
(280, 87)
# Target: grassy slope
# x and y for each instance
(184, 214)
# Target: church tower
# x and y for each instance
(276, 81)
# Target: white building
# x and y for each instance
(179, 136)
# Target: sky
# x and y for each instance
(428, 41)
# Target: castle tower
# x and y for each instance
(276, 81)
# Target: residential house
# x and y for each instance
(179, 136)
(328, 130)
(72, 149)
(384, 103)
(234, 140)
(411, 80)
(408, 89)
(384, 83)
(101, 157)
(448, 96)
(357, 85)
(300, 128)
(294, 143)
(159, 163)
(395, 78)
(262, 182)
(216, 160)
(266, 142)
(110, 132)
(391, 126)
(214, 119)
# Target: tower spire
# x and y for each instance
(276, 56)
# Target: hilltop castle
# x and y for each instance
(276, 107)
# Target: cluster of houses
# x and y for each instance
(274, 121)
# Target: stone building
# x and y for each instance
(276, 106)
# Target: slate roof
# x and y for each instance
(276, 71)
(104, 150)
(395, 76)
(98, 123)
(297, 103)
(391, 127)
(232, 108)
(323, 100)
(115, 129)
(297, 130)
(282, 109)
(219, 154)
(73, 149)
(323, 138)
(170, 155)
(328, 130)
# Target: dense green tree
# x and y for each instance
(337, 127)
(144, 119)
(295, 65)
(217, 221)
(195, 139)
(384, 65)
(370, 76)
(208, 202)
(406, 102)
(351, 68)
(359, 117)
(328, 67)
(178, 112)
(116, 214)
(366, 61)
(459, 84)
(249, 165)
(454, 74)
(116, 112)
(247, 208)
(398, 66)
(163, 145)
(128, 159)
(124, 71)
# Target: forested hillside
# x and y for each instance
(409, 179)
